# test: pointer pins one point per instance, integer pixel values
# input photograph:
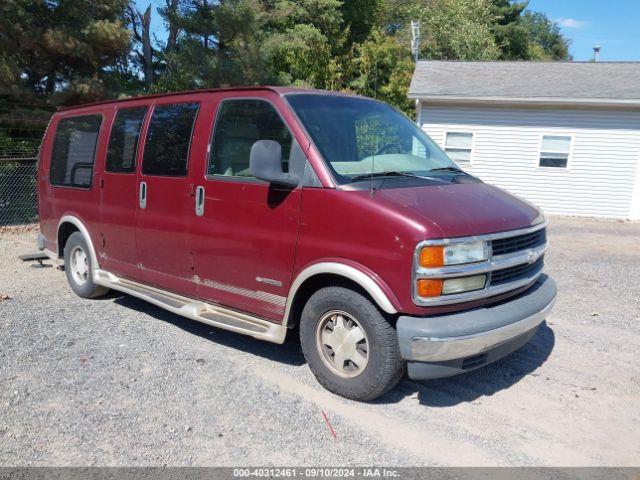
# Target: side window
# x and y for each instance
(554, 151)
(166, 150)
(239, 124)
(74, 149)
(123, 141)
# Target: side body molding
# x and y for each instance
(344, 270)
(85, 233)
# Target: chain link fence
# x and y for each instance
(22, 127)
(18, 197)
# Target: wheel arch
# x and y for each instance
(66, 226)
(329, 273)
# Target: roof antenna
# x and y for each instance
(415, 39)
(596, 52)
(373, 162)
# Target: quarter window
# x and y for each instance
(554, 151)
(239, 125)
(74, 149)
(123, 141)
(458, 146)
(166, 150)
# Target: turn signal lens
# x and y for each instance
(432, 257)
(429, 288)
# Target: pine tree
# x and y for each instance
(510, 34)
(66, 46)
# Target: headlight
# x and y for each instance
(463, 284)
(435, 256)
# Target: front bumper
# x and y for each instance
(450, 344)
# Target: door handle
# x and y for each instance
(143, 195)
(200, 201)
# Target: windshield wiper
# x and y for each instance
(447, 169)
(386, 173)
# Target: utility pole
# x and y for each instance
(415, 39)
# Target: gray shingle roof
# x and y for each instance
(579, 82)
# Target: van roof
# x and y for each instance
(278, 90)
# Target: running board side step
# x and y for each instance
(195, 309)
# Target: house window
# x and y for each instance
(458, 146)
(554, 151)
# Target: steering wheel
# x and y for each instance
(388, 146)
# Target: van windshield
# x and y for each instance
(359, 137)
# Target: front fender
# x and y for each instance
(361, 275)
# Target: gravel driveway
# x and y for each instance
(117, 381)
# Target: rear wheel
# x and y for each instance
(77, 266)
(350, 347)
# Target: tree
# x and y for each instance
(382, 69)
(253, 41)
(545, 39)
(457, 30)
(216, 44)
(510, 35)
(65, 46)
(170, 13)
(141, 34)
(78, 51)
(450, 29)
(300, 39)
(299, 56)
(359, 17)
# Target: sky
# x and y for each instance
(614, 25)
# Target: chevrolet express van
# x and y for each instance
(274, 211)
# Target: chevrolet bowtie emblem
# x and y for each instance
(531, 256)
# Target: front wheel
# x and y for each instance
(350, 347)
(77, 266)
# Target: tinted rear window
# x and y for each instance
(123, 141)
(166, 150)
(74, 149)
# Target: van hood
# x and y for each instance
(464, 209)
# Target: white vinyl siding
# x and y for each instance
(603, 163)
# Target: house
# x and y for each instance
(563, 135)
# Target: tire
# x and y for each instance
(78, 268)
(322, 329)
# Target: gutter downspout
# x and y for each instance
(634, 212)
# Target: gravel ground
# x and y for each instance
(117, 381)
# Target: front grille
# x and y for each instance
(506, 269)
(507, 245)
(505, 275)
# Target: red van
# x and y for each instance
(272, 210)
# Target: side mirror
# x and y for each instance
(265, 163)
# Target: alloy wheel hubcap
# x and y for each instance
(342, 344)
(79, 264)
